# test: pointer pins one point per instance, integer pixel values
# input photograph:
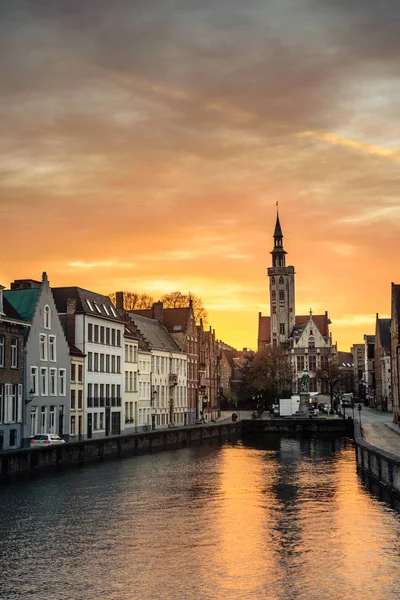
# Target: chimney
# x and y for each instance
(158, 311)
(70, 326)
(119, 300)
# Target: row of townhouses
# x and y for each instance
(377, 361)
(73, 363)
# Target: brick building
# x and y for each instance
(382, 359)
(12, 404)
(395, 346)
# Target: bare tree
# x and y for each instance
(133, 301)
(179, 300)
(269, 373)
(331, 374)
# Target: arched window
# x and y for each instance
(273, 280)
(281, 280)
(273, 294)
(281, 294)
(311, 342)
(47, 317)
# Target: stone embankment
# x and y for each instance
(96, 450)
(378, 458)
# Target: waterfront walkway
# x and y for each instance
(380, 431)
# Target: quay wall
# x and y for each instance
(379, 468)
(300, 426)
(96, 450)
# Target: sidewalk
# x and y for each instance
(385, 436)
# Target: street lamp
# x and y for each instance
(152, 400)
(359, 413)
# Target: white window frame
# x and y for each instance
(62, 382)
(53, 383)
(2, 343)
(14, 353)
(43, 347)
(34, 383)
(43, 419)
(47, 317)
(34, 420)
(44, 381)
(52, 419)
(52, 348)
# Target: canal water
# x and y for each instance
(286, 519)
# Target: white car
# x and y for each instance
(46, 439)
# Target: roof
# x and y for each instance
(154, 333)
(23, 302)
(384, 333)
(87, 302)
(345, 359)
(264, 329)
(321, 321)
(175, 320)
(9, 311)
(278, 228)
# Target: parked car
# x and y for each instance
(46, 439)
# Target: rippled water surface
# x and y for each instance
(284, 519)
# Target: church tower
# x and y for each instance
(281, 290)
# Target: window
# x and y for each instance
(89, 305)
(130, 381)
(126, 381)
(62, 382)
(52, 348)
(96, 362)
(281, 295)
(106, 310)
(118, 364)
(135, 382)
(107, 363)
(43, 346)
(300, 363)
(14, 353)
(95, 421)
(52, 427)
(90, 332)
(108, 336)
(113, 311)
(34, 381)
(274, 309)
(73, 371)
(96, 333)
(135, 354)
(34, 416)
(43, 381)
(90, 361)
(112, 364)
(102, 363)
(47, 317)
(102, 335)
(73, 399)
(1, 350)
(281, 280)
(311, 342)
(118, 337)
(80, 373)
(312, 363)
(112, 337)
(101, 421)
(97, 307)
(130, 354)
(53, 382)
(72, 428)
(80, 399)
(282, 328)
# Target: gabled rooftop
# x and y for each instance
(154, 333)
(23, 302)
(87, 302)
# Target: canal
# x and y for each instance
(283, 519)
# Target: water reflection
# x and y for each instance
(278, 519)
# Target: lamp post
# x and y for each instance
(359, 413)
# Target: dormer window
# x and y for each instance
(97, 307)
(47, 317)
(106, 310)
(113, 311)
(89, 305)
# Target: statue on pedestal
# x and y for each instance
(305, 382)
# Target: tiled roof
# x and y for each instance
(384, 333)
(264, 329)
(23, 302)
(175, 320)
(345, 359)
(321, 321)
(154, 333)
(9, 311)
(87, 302)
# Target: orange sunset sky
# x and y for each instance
(145, 143)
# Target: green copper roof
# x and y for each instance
(23, 302)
